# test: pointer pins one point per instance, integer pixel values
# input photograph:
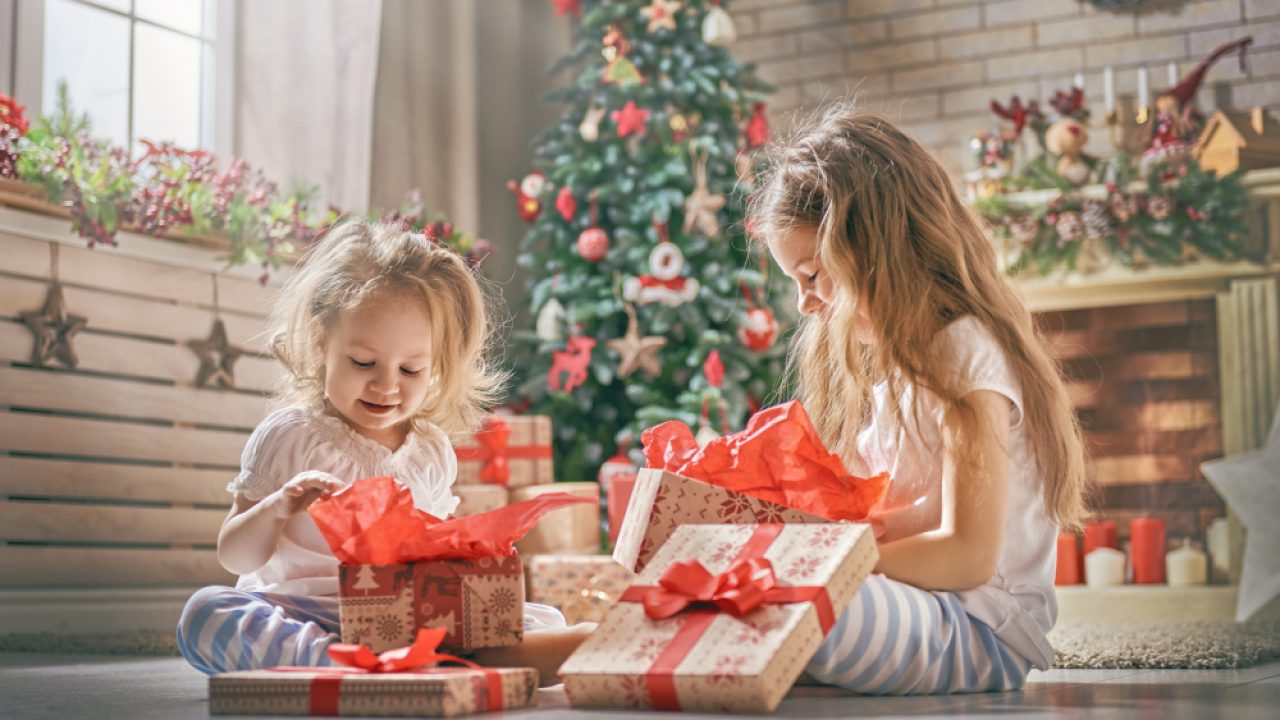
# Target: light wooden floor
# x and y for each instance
(44, 686)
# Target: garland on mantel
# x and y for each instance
(173, 192)
(1182, 213)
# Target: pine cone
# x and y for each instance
(1097, 223)
(1070, 227)
(1123, 207)
(1024, 229)
(1159, 207)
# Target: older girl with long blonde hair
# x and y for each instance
(383, 337)
(917, 356)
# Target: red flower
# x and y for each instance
(11, 114)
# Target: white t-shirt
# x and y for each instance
(1018, 602)
(294, 440)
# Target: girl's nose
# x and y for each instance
(384, 381)
(808, 303)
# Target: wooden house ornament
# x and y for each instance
(1232, 141)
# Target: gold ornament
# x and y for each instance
(53, 329)
(636, 351)
(701, 206)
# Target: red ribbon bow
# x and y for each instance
(737, 591)
(420, 657)
(494, 452)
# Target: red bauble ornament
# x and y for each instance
(593, 244)
(565, 203)
(760, 330)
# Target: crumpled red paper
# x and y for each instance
(778, 458)
(373, 522)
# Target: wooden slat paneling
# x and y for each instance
(105, 270)
(138, 358)
(87, 523)
(98, 438)
(34, 567)
(69, 391)
(38, 477)
(133, 316)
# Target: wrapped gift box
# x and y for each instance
(583, 587)
(401, 569)
(661, 648)
(474, 499)
(508, 451)
(569, 531)
(774, 471)
(403, 682)
(480, 602)
(663, 501)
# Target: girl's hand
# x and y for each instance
(305, 488)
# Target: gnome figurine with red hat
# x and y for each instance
(1176, 123)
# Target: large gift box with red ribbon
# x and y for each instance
(774, 471)
(571, 531)
(508, 451)
(402, 682)
(583, 587)
(724, 618)
(402, 569)
(474, 499)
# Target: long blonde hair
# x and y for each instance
(357, 261)
(891, 225)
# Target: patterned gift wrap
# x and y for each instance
(508, 451)
(479, 498)
(663, 501)
(437, 692)
(704, 657)
(480, 602)
(568, 531)
(583, 587)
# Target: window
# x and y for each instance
(142, 69)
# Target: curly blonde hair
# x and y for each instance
(890, 223)
(358, 261)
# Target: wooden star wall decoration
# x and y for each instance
(217, 357)
(53, 329)
(637, 352)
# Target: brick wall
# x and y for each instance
(1145, 382)
(933, 65)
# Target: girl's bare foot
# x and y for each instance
(545, 650)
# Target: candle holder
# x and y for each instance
(1128, 125)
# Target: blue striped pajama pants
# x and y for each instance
(896, 639)
(224, 629)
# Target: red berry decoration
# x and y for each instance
(593, 244)
(760, 330)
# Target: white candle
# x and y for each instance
(1078, 81)
(1185, 566)
(1104, 567)
(1143, 99)
(1173, 74)
(1109, 88)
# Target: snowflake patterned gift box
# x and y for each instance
(403, 683)
(402, 569)
(583, 587)
(776, 470)
(724, 618)
(507, 451)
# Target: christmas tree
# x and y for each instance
(648, 302)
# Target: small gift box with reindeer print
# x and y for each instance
(401, 569)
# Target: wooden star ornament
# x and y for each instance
(53, 329)
(1250, 484)
(701, 206)
(661, 15)
(217, 357)
(637, 352)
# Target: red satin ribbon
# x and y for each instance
(495, 454)
(420, 657)
(688, 588)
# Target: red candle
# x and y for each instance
(1096, 535)
(618, 495)
(1068, 571)
(1146, 546)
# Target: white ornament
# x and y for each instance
(717, 27)
(1250, 484)
(663, 284)
(533, 184)
(589, 129)
(705, 435)
(548, 325)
